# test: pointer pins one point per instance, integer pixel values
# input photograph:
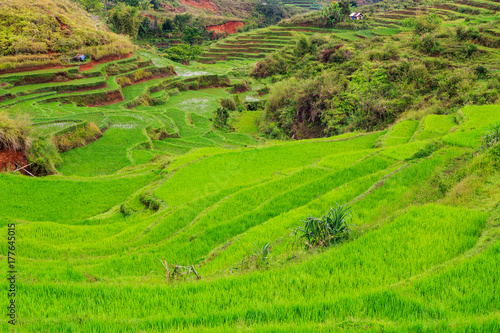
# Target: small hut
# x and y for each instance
(356, 16)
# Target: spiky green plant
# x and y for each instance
(492, 137)
(331, 228)
(262, 253)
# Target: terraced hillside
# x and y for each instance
(155, 220)
(136, 104)
(425, 254)
(306, 4)
(474, 11)
(254, 45)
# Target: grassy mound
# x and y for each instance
(46, 33)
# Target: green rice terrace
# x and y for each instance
(141, 214)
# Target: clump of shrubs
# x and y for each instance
(228, 103)
(15, 133)
(220, 118)
(79, 137)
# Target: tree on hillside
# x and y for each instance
(345, 9)
(220, 118)
(191, 35)
(270, 11)
(125, 20)
(92, 6)
(181, 20)
(168, 25)
(145, 5)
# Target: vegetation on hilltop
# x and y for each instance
(332, 86)
(156, 23)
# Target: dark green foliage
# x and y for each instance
(426, 24)
(481, 72)
(269, 13)
(125, 20)
(332, 13)
(427, 150)
(191, 35)
(220, 118)
(428, 44)
(181, 20)
(213, 81)
(240, 87)
(492, 138)
(303, 45)
(273, 64)
(228, 103)
(151, 202)
(168, 25)
(183, 53)
(331, 228)
(331, 88)
(345, 9)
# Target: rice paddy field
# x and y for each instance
(424, 255)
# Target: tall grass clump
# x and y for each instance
(15, 133)
(331, 228)
(492, 137)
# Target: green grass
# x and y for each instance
(477, 122)
(400, 133)
(385, 31)
(62, 200)
(435, 126)
(108, 154)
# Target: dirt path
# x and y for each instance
(230, 27)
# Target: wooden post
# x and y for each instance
(23, 168)
(165, 265)
(196, 273)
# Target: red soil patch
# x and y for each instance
(151, 17)
(91, 64)
(230, 27)
(8, 157)
(203, 4)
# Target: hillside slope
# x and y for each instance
(425, 256)
(48, 32)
